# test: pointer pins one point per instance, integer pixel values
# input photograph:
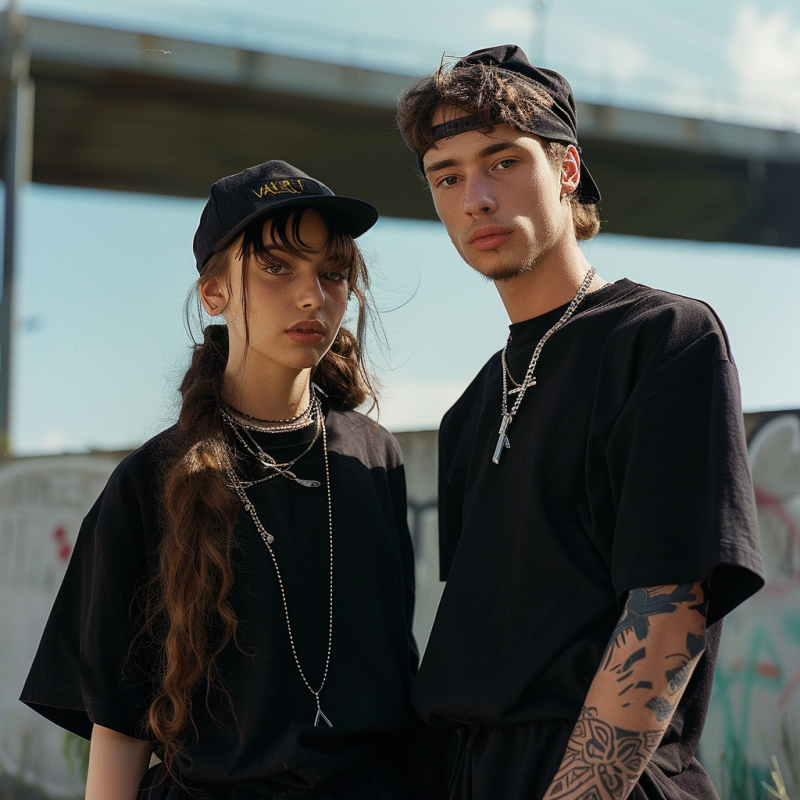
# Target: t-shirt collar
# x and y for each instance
(531, 330)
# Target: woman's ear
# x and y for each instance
(214, 295)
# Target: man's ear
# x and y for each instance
(214, 295)
(570, 170)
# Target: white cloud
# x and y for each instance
(764, 51)
(518, 23)
(606, 56)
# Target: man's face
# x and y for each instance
(498, 197)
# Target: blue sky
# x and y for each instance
(101, 343)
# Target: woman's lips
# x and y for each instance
(489, 239)
(306, 333)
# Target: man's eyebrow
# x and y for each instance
(489, 150)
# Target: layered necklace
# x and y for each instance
(530, 379)
(243, 431)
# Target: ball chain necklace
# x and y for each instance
(529, 379)
(238, 487)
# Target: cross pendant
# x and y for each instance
(502, 439)
(523, 386)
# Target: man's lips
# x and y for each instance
(488, 237)
(306, 332)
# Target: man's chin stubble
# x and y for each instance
(503, 273)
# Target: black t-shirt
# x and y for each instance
(627, 468)
(260, 736)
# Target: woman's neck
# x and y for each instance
(275, 395)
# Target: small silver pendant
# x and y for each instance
(309, 483)
(502, 439)
(321, 716)
(270, 538)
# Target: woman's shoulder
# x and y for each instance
(145, 464)
(133, 489)
(355, 434)
(126, 514)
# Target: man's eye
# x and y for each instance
(505, 163)
(448, 180)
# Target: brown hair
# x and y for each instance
(187, 607)
(495, 95)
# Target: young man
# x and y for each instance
(596, 513)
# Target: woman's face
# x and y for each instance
(295, 303)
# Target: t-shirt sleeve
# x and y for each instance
(82, 673)
(679, 476)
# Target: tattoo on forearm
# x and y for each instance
(645, 603)
(660, 707)
(702, 605)
(602, 762)
(677, 676)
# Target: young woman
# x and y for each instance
(239, 599)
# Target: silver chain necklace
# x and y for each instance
(268, 539)
(241, 431)
(529, 379)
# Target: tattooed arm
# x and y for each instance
(650, 658)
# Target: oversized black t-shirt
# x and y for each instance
(627, 468)
(261, 736)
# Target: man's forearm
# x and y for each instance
(651, 656)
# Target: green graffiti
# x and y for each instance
(75, 750)
(733, 697)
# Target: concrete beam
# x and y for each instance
(168, 57)
(178, 59)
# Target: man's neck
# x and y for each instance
(551, 282)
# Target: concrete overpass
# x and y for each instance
(137, 112)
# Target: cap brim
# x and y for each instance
(353, 216)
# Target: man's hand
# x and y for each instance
(649, 660)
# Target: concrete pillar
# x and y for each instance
(18, 157)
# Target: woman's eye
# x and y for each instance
(335, 276)
(274, 269)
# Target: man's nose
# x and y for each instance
(478, 196)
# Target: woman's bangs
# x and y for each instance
(342, 253)
(340, 250)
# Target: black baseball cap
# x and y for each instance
(559, 123)
(237, 200)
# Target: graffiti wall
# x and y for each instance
(755, 706)
(42, 503)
